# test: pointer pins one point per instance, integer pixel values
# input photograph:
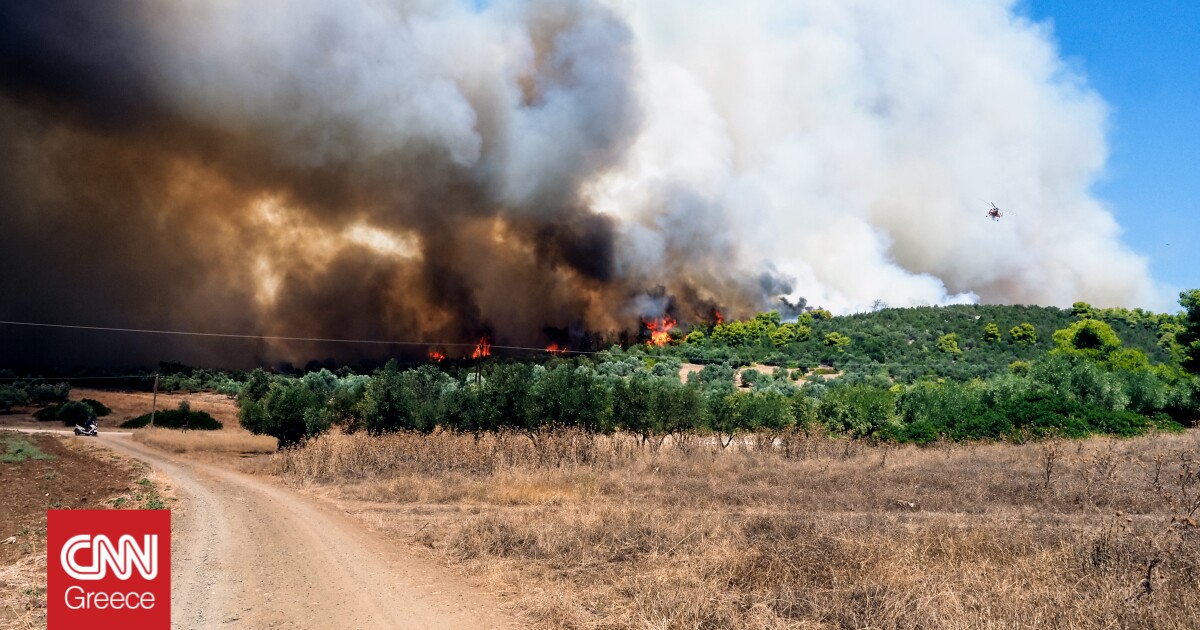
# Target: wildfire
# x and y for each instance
(555, 349)
(484, 349)
(660, 330)
(436, 356)
(720, 319)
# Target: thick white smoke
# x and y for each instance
(856, 144)
(852, 145)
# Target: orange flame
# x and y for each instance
(484, 349)
(660, 330)
(555, 349)
(720, 319)
(436, 356)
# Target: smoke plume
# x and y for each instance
(435, 170)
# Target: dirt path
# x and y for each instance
(250, 554)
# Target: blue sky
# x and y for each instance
(1144, 60)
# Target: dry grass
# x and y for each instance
(221, 442)
(23, 594)
(604, 533)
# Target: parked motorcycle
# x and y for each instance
(86, 428)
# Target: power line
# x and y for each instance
(72, 378)
(380, 342)
(376, 342)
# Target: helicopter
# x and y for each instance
(995, 213)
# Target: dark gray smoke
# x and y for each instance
(538, 170)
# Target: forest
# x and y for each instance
(906, 375)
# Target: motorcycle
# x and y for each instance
(86, 429)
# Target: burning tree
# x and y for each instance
(660, 330)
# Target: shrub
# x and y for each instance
(860, 410)
(98, 408)
(923, 432)
(176, 419)
(73, 412)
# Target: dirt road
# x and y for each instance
(246, 553)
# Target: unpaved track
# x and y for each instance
(246, 553)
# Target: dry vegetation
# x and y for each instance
(226, 441)
(600, 532)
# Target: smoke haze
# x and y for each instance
(418, 169)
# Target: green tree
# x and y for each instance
(675, 407)
(387, 405)
(425, 385)
(285, 406)
(1083, 310)
(859, 410)
(770, 411)
(991, 332)
(713, 373)
(730, 414)
(734, 333)
(506, 397)
(631, 407)
(569, 395)
(1189, 339)
(347, 398)
(783, 335)
(11, 397)
(1128, 360)
(1023, 334)
(948, 343)
(837, 340)
(257, 384)
(1089, 337)
(768, 319)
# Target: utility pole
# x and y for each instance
(154, 401)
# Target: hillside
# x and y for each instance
(903, 342)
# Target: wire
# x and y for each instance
(286, 338)
(73, 378)
(372, 341)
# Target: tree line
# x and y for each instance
(1087, 380)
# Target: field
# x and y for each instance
(232, 439)
(602, 532)
(224, 441)
(782, 530)
(131, 404)
(40, 472)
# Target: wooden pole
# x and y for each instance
(154, 401)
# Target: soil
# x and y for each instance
(80, 475)
(687, 369)
(131, 404)
(77, 478)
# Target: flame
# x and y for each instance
(555, 349)
(660, 330)
(484, 349)
(720, 319)
(436, 356)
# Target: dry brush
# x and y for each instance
(790, 530)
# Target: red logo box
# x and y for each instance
(108, 569)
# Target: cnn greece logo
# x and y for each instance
(113, 569)
(122, 557)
